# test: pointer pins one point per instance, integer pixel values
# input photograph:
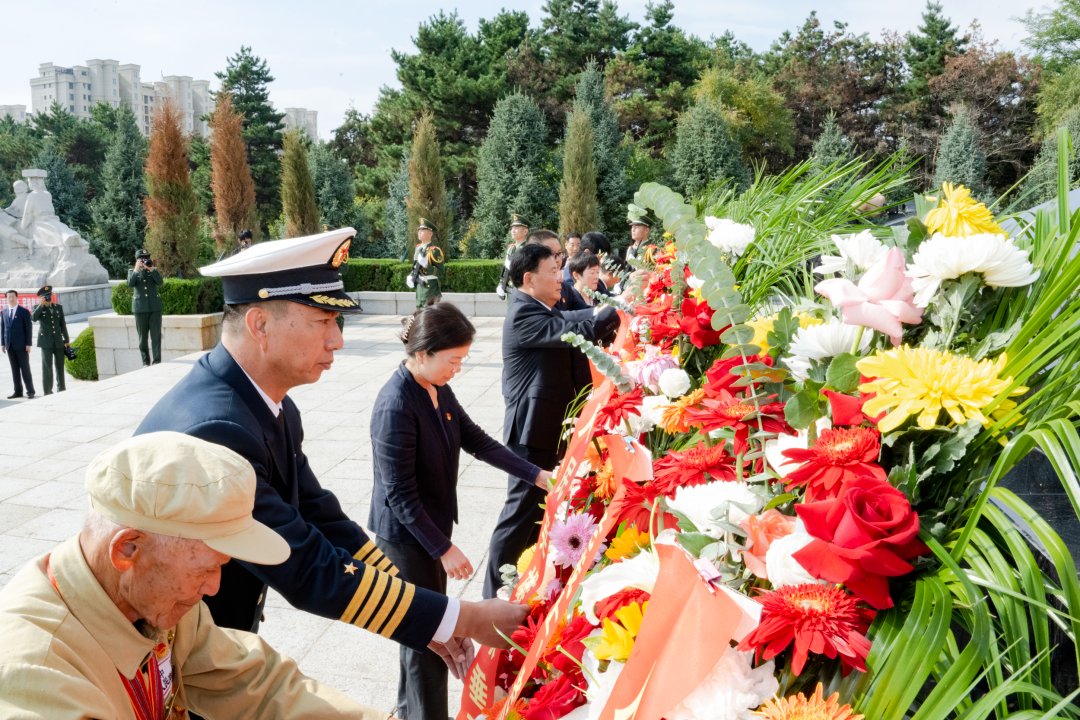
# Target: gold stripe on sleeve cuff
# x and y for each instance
(397, 588)
(399, 613)
(371, 605)
(358, 597)
(365, 551)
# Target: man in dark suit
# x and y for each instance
(16, 334)
(279, 331)
(538, 384)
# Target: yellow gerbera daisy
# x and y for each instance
(631, 616)
(763, 326)
(910, 381)
(797, 707)
(959, 215)
(616, 641)
(525, 559)
(627, 544)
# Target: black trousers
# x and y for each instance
(519, 521)
(422, 682)
(20, 369)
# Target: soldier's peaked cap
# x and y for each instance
(426, 225)
(45, 291)
(303, 270)
(518, 220)
(142, 254)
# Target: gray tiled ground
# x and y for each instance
(46, 444)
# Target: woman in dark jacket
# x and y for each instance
(418, 430)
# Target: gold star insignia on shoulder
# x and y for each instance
(350, 569)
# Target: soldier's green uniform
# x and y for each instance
(146, 306)
(503, 288)
(429, 269)
(51, 339)
(637, 216)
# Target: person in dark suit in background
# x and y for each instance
(537, 384)
(16, 339)
(568, 300)
(418, 430)
(594, 242)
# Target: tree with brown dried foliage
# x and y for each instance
(427, 191)
(234, 190)
(172, 208)
(297, 189)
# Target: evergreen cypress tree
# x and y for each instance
(427, 191)
(926, 52)
(119, 222)
(230, 180)
(68, 194)
(831, 146)
(396, 211)
(297, 189)
(577, 192)
(246, 78)
(1041, 182)
(610, 156)
(333, 183)
(960, 158)
(705, 151)
(172, 208)
(510, 174)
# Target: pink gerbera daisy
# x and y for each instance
(569, 539)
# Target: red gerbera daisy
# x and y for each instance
(635, 507)
(618, 409)
(719, 376)
(697, 323)
(569, 637)
(839, 455)
(725, 410)
(660, 307)
(524, 637)
(820, 619)
(606, 608)
(694, 466)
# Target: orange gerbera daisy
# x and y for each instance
(797, 707)
(517, 710)
(604, 483)
(839, 455)
(676, 417)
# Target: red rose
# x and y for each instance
(554, 700)
(719, 376)
(570, 640)
(866, 534)
(697, 323)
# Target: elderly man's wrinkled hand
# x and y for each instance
(490, 622)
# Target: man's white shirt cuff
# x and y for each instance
(449, 620)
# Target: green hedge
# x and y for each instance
(84, 367)
(378, 275)
(178, 297)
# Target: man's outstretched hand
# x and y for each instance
(483, 621)
(457, 653)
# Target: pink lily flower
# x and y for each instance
(882, 300)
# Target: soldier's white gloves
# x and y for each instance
(410, 282)
(500, 291)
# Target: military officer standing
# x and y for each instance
(146, 305)
(52, 339)
(640, 225)
(519, 230)
(429, 267)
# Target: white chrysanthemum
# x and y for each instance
(941, 258)
(863, 250)
(731, 691)
(698, 501)
(783, 569)
(674, 382)
(694, 282)
(818, 342)
(730, 236)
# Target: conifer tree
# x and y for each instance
(119, 222)
(831, 145)
(396, 211)
(246, 78)
(705, 151)
(334, 195)
(960, 157)
(577, 192)
(427, 191)
(609, 154)
(297, 190)
(68, 193)
(510, 174)
(172, 208)
(927, 50)
(1041, 182)
(230, 180)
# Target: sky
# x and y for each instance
(329, 54)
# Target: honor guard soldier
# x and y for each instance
(519, 230)
(52, 339)
(429, 267)
(279, 332)
(640, 225)
(146, 305)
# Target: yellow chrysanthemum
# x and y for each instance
(525, 559)
(910, 381)
(798, 707)
(763, 326)
(959, 215)
(604, 484)
(617, 640)
(627, 544)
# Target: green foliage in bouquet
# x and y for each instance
(603, 362)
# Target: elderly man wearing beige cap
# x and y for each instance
(110, 624)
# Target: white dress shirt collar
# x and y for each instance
(275, 408)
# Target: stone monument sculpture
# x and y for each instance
(37, 248)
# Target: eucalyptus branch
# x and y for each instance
(610, 300)
(604, 363)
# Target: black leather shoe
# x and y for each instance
(12, 397)
(30, 396)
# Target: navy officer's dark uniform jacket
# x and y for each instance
(334, 569)
(416, 450)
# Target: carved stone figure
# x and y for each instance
(37, 248)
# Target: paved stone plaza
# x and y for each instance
(46, 443)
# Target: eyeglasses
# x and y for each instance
(455, 366)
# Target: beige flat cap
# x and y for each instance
(174, 484)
